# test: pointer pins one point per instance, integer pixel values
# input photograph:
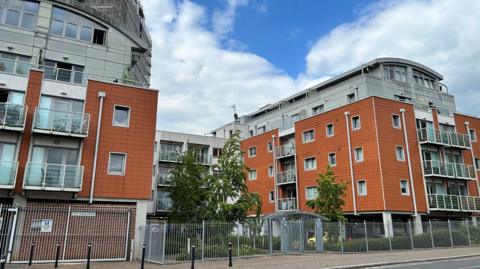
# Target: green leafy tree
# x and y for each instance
(330, 196)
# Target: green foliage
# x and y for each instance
(329, 201)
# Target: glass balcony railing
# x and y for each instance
(204, 158)
(285, 150)
(164, 180)
(12, 116)
(64, 75)
(61, 122)
(8, 174)
(54, 177)
(446, 202)
(171, 156)
(452, 170)
(435, 136)
(164, 205)
(286, 177)
(287, 204)
(14, 67)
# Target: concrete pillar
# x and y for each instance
(140, 220)
(417, 224)
(19, 201)
(387, 224)
(474, 221)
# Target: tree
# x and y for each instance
(329, 200)
(189, 193)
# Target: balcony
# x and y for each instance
(164, 205)
(285, 151)
(12, 117)
(53, 177)
(169, 156)
(204, 159)
(64, 75)
(450, 170)
(444, 138)
(8, 174)
(446, 202)
(164, 180)
(286, 177)
(285, 204)
(14, 67)
(49, 121)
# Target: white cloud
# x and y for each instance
(224, 20)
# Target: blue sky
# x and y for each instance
(211, 54)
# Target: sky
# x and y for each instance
(211, 54)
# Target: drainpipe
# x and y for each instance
(101, 96)
(467, 124)
(402, 111)
(347, 121)
(275, 187)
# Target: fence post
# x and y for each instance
(57, 255)
(32, 250)
(302, 240)
(270, 236)
(230, 254)
(468, 234)
(390, 234)
(164, 241)
(366, 234)
(203, 240)
(2, 262)
(238, 239)
(142, 266)
(340, 234)
(193, 257)
(450, 232)
(89, 253)
(431, 233)
(411, 235)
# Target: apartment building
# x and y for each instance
(388, 128)
(77, 116)
(169, 146)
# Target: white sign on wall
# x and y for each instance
(46, 226)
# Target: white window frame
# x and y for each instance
(399, 122)
(303, 136)
(326, 130)
(355, 154)
(249, 174)
(477, 165)
(358, 187)
(328, 158)
(249, 155)
(403, 153)
(407, 187)
(268, 146)
(124, 164)
(269, 196)
(305, 163)
(359, 123)
(474, 139)
(306, 193)
(129, 115)
(268, 171)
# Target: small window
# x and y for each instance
(117, 163)
(269, 146)
(270, 171)
(358, 154)
(308, 136)
(362, 187)
(311, 193)
(351, 97)
(121, 116)
(317, 110)
(57, 27)
(252, 152)
(400, 154)
(396, 121)
(477, 163)
(330, 130)
(13, 17)
(28, 21)
(252, 174)
(86, 34)
(98, 37)
(332, 159)
(309, 164)
(356, 123)
(71, 30)
(271, 197)
(404, 189)
(473, 135)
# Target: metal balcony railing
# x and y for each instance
(64, 75)
(8, 174)
(435, 136)
(286, 177)
(171, 156)
(446, 202)
(204, 158)
(285, 150)
(12, 116)
(164, 180)
(54, 177)
(14, 67)
(164, 205)
(452, 170)
(287, 204)
(61, 122)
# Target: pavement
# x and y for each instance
(461, 258)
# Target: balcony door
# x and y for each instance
(7, 163)
(53, 167)
(60, 114)
(11, 108)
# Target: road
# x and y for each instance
(467, 263)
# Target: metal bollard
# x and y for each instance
(57, 255)
(230, 263)
(3, 261)
(32, 250)
(143, 257)
(193, 257)
(89, 253)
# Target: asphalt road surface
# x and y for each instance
(466, 263)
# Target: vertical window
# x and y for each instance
(309, 164)
(311, 193)
(362, 187)
(332, 159)
(400, 154)
(351, 97)
(473, 135)
(252, 152)
(28, 21)
(404, 189)
(71, 30)
(477, 163)
(270, 171)
(358, 155)
(396, 121)
(57, 27)
(317, 110)
(86, 34)
(121, 116)
(252, 174)
(98, 36)
(271, 197)
(330, 130)
(269, 146)
(308, 136)
(117, 163)
(392, 72)
(13, 17)
(356, 123)
(295, 117)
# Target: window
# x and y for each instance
(400, 154)
(362, 187)
(473, 135)
(311, 193)
(28, 21)
(317, 110)
(332, 159)
(269, 146)
(117, 163)
(98, 36)
(402, 98)
(261, 129)
(309, 164)
(14, 63)
(396, 121)
(271, 197)
(351, 97)
(308, 136)
(71, 30)
(270, 171)
(19, 13)
(252, 152)
(358, 154)
(404, 187)
(423, 80)
(13, 17)
(393, 72)
(252, 174)
(356, 123)
(295, 117)
(121, 116)
(86, 34)
(477, 163)
(57, 27)
(330, 130)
